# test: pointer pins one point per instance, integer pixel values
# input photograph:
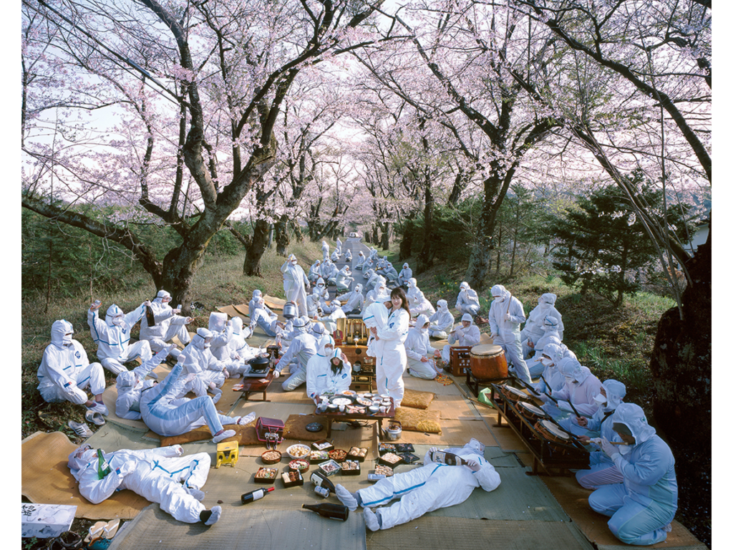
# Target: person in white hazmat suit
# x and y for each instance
(420, 353)
(315, 271)
(318, 331)
(391, 360)
(404, 275)
(324, 249)
(320, 291)
(353, 302)
(222, 330)
(441, 322)
(551, 336)
(65, 371)
(533, 330)
(579, 425)
(422, 490)
(643, 506)
(344, 279)
(238, 343)
(505, 316)
(390, 273)
(581, 386)
(551, 356)
(467, 301)
(295, 283)
(335, 255)
(371, 277)
(261, 316)
(360, 259)
(329, 271)
(602, 469)
(299, 352)
(210, 373)
(255, 303)
(328, 371)
(159, 475)
(378, 294)
(375, 316)
(418, 302)
(113, 336)
(168, 323)
(338, 245)
(167, 413)
(330, 321)
(465, 334)
(347, 256)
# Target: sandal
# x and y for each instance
(95, 532)
(80, 429)
(110, 530)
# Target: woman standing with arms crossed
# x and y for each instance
(390, 353)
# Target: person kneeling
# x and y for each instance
(328, 371)
(419, 350)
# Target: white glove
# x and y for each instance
(564, 405)
(176, 311)
(493, 335)
(473, 465)
(178, 449)
(609, 449)
(276, 374)
(126, 468)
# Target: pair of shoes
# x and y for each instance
(100, 408)
(102, 530)
(80, 429)
(94, 417)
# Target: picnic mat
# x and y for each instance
(455, 432)
(276, 394)
(203, 433)
(241, 311)
(574, 500)
(274, 303)
(46, 479)
(452, 407)
(507, 439)
(418, 384)
(243, 528)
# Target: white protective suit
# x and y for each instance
(467, 301)
(329, 271)
(360, 261)
(130, 385)
(462, 336)
(417, 346)
(642, 507)
(324, 249)
(379, 294)
(261, 316)
(391, 360)
(221, 348)
(321, 377)
(505, 316)
(375, 316)
(580, 388)
(551, 336)
(430, 487)
(441, 322)
(65, 370)
(314, 272)
(336, 313)
(533, 330)
(372, 278)
(113, 337)
(167, 325)
(353, 301)
(200, 361)
(602, 469)
(320, 292)
(154, 474)
(344, 279)
(347, 256)
(390, 273)
(418, 302)
(552, 354)
(335, 256)
(404, 275)
(295, 283)
(338, 245)
(299, 352)
(239, 345)
(168, 414)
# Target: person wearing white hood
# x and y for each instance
(223, 334)
(505, 316)
(371, 277)
(391, 360)
(318, 331)
(465, 334)
(602, 469)
(159, 475)
(419, 351)
(320, 291)
(113, 336)
(533, 330)
(344, 279)
(550, 358)
(422, 490)
(295, 283)
(328, 371)
(467, 301)
(238, 343)
(418, 302)
(360, 259)
(168, 323)
(404, 275)
(65, 371)
(329, 322)
(255, 303)
(315, 271)
(643, 506)
(442, 321)
(551, 336)
(336, 255)
(210, 372)
(262, 317)
(378, 294)
(324, 249)
(352, 301)
(329, 272)
(389, 272)
(347, 256)
(299, 352)
(580, 387)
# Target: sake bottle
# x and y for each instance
(329, 510)
(256, 495)
(441, 457)
(320, 480)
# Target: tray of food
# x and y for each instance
(322, 445)
(350, 468)
(338, 401)
(271, 457)
(357, 453)
(266, 475)
(298, 451)
(330, 467)
(390, 459)
(355, 409)
(299, 464)
(339, 455)
(404, 448)
(387, 448)
(383, 470)
(316, 457)
(409, 458)
(348, 393)
(292, 478)
(364, 401)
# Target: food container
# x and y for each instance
(330, 467)
(374, 409)
(380, 469)
(292, 478)
(266, 475)
(298, 451)
(404, 448)
(271, 457)
(299, 464)
(332, 407)
(357, 453)
(409, 458)
(387, 448)
(339, 455)
(317, 457)
(393, 431)
(390, 459)
(350, 468)
(322, 445)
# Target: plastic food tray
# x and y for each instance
(330, 467)
(322, 445)
(360, 458)
(352, 472)
(292, 478)
(271, 461)
(272, 479)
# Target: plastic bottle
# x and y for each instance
(256, 495)
(441, 457)
(323, 491)
(320, 480)
(329, 510)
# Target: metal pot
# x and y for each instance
(289, 310)
(393, 434)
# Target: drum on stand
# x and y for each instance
(513, 394)
(488, 362)
(531, 412)
(553, 432)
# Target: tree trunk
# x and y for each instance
(424, 259)
(406, 242)
(514, 244)
(256, 248)
(459, 184)
(366, 237)
(498, 251)
(375, 234)
(385, 237)
(281, 236)
(297, 231)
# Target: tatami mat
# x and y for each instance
(455, 432)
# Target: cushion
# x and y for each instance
(416, 420)
(417, 399)
(295, 427)
(245, 435)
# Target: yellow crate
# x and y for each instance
(227, 453)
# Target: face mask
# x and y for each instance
(117, 321)
(67, 340)
(569, 380)
(600, 399)
(498, 299)
(624, 449)
(546, 362)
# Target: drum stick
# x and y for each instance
(575, 411)
(548, 395)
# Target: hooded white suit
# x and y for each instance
(295, 283)
(441, 321)
(417, 346)
(505, 316)
(320, 375)
(167, 325)
(113, 337)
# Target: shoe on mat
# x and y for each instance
(226, 434)
(94, 417)
(80, 429)
(101, 408)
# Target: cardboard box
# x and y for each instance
(45, 521)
